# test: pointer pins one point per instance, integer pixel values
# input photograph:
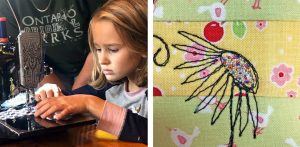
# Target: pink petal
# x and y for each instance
(282, 66)
(289, 70)
(280, 82)
(276, 70)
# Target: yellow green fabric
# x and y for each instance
(253, 39)
(277, 44)
(282, 129)
(188, 10)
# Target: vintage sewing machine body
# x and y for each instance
(22, 67)
(7, 67)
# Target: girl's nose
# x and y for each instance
(103, 58)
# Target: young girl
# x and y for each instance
(118, 42)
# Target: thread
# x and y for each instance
(3, 32)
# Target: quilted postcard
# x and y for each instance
(226, 73)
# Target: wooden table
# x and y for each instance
(73, 137)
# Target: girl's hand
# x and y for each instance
(61, 106)
(46, 91)
(65, 105)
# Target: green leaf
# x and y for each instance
(239, 29)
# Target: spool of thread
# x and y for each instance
(3, 32)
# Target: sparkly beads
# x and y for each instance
(239, 68)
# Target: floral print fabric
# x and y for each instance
(273, 51)
(266, 32)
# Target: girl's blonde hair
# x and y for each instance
(129, 18)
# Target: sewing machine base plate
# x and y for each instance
(30, 126)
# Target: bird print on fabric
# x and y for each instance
(181, 138)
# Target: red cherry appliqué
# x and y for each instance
(157, 91)
(213, 31)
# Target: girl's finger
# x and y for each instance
(50, 111)
(41, 103)
(41, 110)
(62, 114)
(37, 97)
(42, 94)
(49, 93)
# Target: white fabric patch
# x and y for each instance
(49, 87)
(16, 101)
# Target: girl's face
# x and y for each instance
(116, 60)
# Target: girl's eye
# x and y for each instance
(113, 50)
(98, 50)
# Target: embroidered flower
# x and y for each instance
(298, 81)
(204, 73)
(281, 75)
(292, 94)
(261, 24)
(193, 53)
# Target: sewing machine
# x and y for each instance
(22, 68)
(7, 61)
(7, 68)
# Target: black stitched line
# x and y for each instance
(208, 75)
(188, 46)
(212, 96)
(159, 50)
(181, 66)
(212, 118)
(183, 33)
